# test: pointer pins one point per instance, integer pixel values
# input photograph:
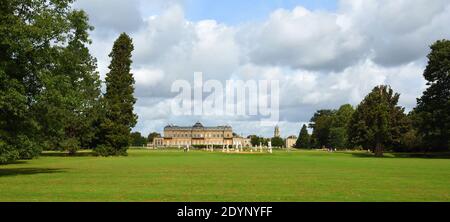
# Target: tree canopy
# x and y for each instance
(152, 136)
(378, 121)
(320, 123)
(338, 137)
(433, 108)
(277, 141)
(138, 140)
(48, 82)
(330, 127)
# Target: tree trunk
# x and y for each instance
(379, 150)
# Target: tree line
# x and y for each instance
(259, 140)
(51, 97)
(378, 123)
(138, 140)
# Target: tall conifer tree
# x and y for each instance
(303, 140)
(118, 102)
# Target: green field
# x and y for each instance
(200, 176)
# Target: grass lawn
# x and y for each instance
(200, 176)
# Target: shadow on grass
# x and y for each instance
(65, 154)
(17, 162)
(404, 155)
(423, 155)
(28, 171)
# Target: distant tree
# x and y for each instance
(277, 142)
(152, 136)
(338, 130)
(265, 141)
(257, 140)
(433, 108)
(321, 125)
(137, 139)
(254, 140)
(343, 115)
(411, 140)
(378, 122)
(118, 101)
(303, 138)
(338, 138)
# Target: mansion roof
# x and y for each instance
(196, 126)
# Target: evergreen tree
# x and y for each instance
(66, 107)
(378, 122)
(118, 101)
(433, 108)
(303, 138)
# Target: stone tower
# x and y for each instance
(277, 131)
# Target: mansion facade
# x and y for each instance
(199, 135)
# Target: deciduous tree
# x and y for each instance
(43, 55)
(277, 142)
(137, 139)
(321, 124)
(338, 137)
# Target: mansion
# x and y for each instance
(199, 135)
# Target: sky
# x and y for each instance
(324, 53)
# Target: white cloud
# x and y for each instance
(322, 59)
(304, 39)
(112, 15)
(398, 32)
(148, 77)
